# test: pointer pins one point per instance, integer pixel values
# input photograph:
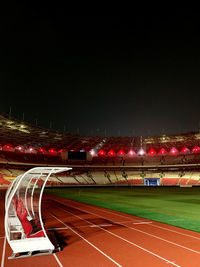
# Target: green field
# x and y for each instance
(172, 205)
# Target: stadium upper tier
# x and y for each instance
(20, 137)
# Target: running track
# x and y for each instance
(95, 236)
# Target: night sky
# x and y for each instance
(116, 75)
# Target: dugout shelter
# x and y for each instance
(24, 225)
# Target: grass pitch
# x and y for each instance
(176, 206)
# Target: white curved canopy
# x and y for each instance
(24, 227)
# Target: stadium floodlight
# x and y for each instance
(196, 149)
(111, 153)
(173, 150)
(121, 152)
(41, 150)
(131, 152)
(163, 152)
(141, 152)
(185, 150)
(20, 148)
(102, 152)
(52, 151)
(92, 152)
(7, 146)
(152, 152)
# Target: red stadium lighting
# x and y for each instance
(131, 152)
(196, 149)
(102, 152)
(52, 151)
(7, 146)
(185, 150)
(152, 152)
(173, 150)
(111, 153)
(163, 152)
(20, 148)
(30, 150)
(121, 152)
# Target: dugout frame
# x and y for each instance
(24, 226)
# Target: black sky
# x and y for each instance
(131, 75)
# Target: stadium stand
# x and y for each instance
(109, 160)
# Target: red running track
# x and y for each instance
(94, 236)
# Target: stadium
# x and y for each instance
(125, 201)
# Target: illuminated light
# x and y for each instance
(111, 153)
(30, 149)
(7, 146)
(60, 151)
(152, 152)
(196, 149)
(41, 150)
(173, 150)
(82, 150)
(20, 148)
(102, 152)
(52, 150)
(131, 152)
(141, 152)
(185, 150)
(163, 151)
(92, 152)
(121, 152)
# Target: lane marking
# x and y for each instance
(86, 240)
(124, 216)
(101, 225)
(86, 226)
(141, 223)
(134, 244)
(3, 252)
(59, 263)
(174, 231)
(135, 229)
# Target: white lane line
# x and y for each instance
(86, 226)
(59, 263)
(134, 244)
(140, 222)
(3, 253)
(124, 216)
(101, 225)
(143, 232)
(86, 240)
(177, 232)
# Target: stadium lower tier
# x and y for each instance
(118, 177)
